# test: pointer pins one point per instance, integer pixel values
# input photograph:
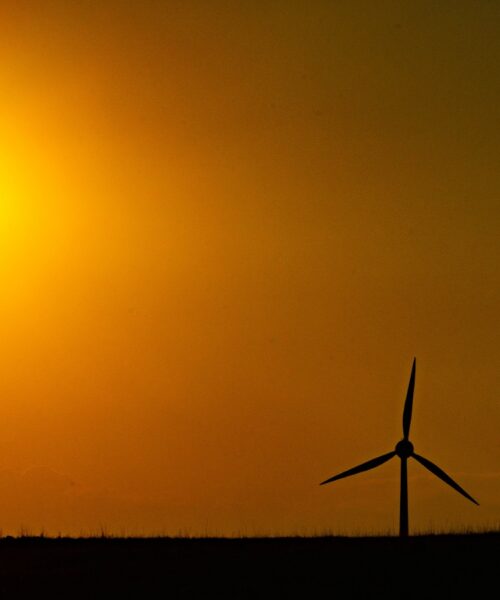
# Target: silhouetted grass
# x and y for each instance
(425, 566)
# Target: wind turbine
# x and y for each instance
(404, 449)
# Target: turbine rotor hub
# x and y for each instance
(404, 449)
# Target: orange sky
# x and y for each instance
(225, 231)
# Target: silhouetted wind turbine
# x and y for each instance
(404, 449)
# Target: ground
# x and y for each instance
(421, 567)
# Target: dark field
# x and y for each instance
(421, 567)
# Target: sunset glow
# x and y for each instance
(225, 232)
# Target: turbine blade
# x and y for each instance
(442, 475)
(409, 403)
(371, 464)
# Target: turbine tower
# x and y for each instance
(404, 449)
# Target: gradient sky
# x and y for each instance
(226, 228)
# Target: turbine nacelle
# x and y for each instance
(404, 448)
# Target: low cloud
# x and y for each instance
(41, 499)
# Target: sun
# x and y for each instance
(32, 229)
(16, 214)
